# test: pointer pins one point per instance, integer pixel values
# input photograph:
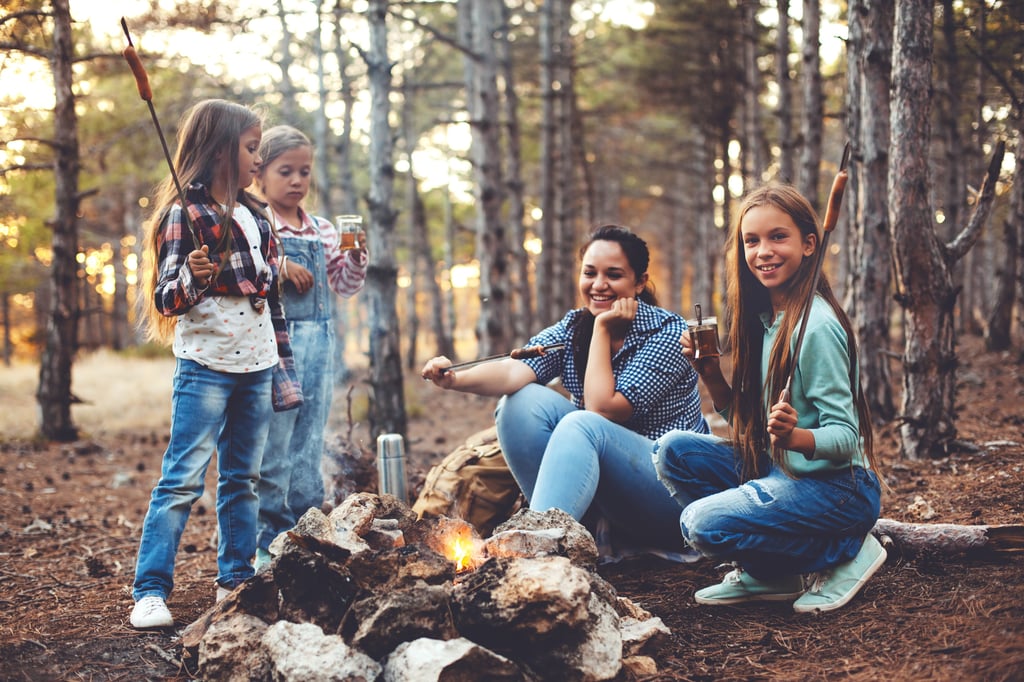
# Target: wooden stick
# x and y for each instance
(835, 200)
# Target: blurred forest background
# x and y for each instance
(482, 139)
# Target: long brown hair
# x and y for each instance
(208, 139)
(747, 299)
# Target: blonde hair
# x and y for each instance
(747, 299)
(208, 140)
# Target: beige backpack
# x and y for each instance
(472, 483)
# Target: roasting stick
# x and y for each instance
(146, 93)
(835, 201)
(517, 354)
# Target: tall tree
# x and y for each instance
(479, 19)
(869, 56)
(387, 400)
(784, 110)
(753, 160)
(923, 263)
(54, 391)
(522, 312)
(284, 61)
(812, 112)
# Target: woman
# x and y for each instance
(627, 386)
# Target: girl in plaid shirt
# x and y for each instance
(212, 268)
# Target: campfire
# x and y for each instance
(370, 592)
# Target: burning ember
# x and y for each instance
(371, 592)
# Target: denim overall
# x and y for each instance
(290, 478)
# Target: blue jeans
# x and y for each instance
(209, 410)
(291, 480)
(772, 526)
(575, 460)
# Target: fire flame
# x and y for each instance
(461, 553)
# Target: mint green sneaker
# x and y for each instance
(739, 586)
(263, 559)
(831, 589)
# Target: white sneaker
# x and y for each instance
(221, 593)
(151, 612)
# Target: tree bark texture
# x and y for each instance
(54, 393)
(522, 302)
(494, 332)
(547, 310)
(924, 283)
(284, 61)
(870, 284)
(753, 162)
(343, 145)
(387, 401)
(950, 538)
(785, 108)
(811, 126)
(923, 280)
(1009, 280)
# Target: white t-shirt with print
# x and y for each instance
(225, 333)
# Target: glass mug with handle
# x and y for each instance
(350, 227)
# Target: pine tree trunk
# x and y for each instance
(522, 302)
(565, 177)
(813, 106)
(870, 285)
(284, 61)
(1009, 279)
(923, 265)
(54, 393)
(784, 112)
(387, 401)
(325, 206)
(925, 289)
(753, 164)
(343, 146)
(494, 332)
(547, 308)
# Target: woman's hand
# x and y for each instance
(434, 371)
(300, 277)
(619, 317)
(200, 266)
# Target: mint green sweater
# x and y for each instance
(820, 391)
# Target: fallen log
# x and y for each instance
(949, 538)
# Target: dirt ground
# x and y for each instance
(71, 515)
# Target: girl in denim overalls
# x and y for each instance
(314, 270)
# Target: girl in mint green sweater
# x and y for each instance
(794, 491)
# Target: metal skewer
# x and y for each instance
(835, 200)
(500, 356)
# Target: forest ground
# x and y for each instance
(71, 514)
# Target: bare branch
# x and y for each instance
(25, 167)
(437, 35)
(962, 243)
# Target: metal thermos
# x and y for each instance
(391, 466)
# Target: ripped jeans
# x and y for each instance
(772, 526)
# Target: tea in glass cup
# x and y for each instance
(704, 334)
(349, 227)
